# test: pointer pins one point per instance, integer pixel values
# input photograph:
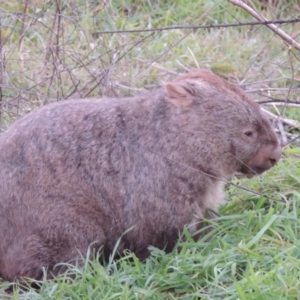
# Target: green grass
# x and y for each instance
(254, 251)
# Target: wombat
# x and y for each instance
(77, 174)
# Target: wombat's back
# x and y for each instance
(80, 173)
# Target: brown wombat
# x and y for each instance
(80, 173)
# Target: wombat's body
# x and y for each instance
(76, 173)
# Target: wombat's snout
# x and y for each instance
(266, 157)
(275, 156)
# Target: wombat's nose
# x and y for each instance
(275, 156)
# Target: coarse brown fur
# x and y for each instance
(81, 172)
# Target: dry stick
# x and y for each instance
(284, 138)
(287, 104)
(289, 122)
(273, 89)
(260, 18)
(277, 101)
(196, 27)
(60, 28)
(22, 30)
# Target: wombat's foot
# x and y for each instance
(30, 258)
(27, 259)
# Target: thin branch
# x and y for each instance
(283, 134)
(287, 104)
(196, 27)
(270, 25)
(289, 122)
(273, 89)
(278, 101)
(293, 140)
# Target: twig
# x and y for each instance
(196, 27)
(289, 122)
(22, 30)
(283, 134)
(278, 101)
(287, 104)
(294, 139)
(130, 88)
(270, 25)
(273, 89)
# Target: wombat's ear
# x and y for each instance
(179, 94)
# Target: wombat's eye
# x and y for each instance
(248, 133)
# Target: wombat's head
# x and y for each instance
(234, 126)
